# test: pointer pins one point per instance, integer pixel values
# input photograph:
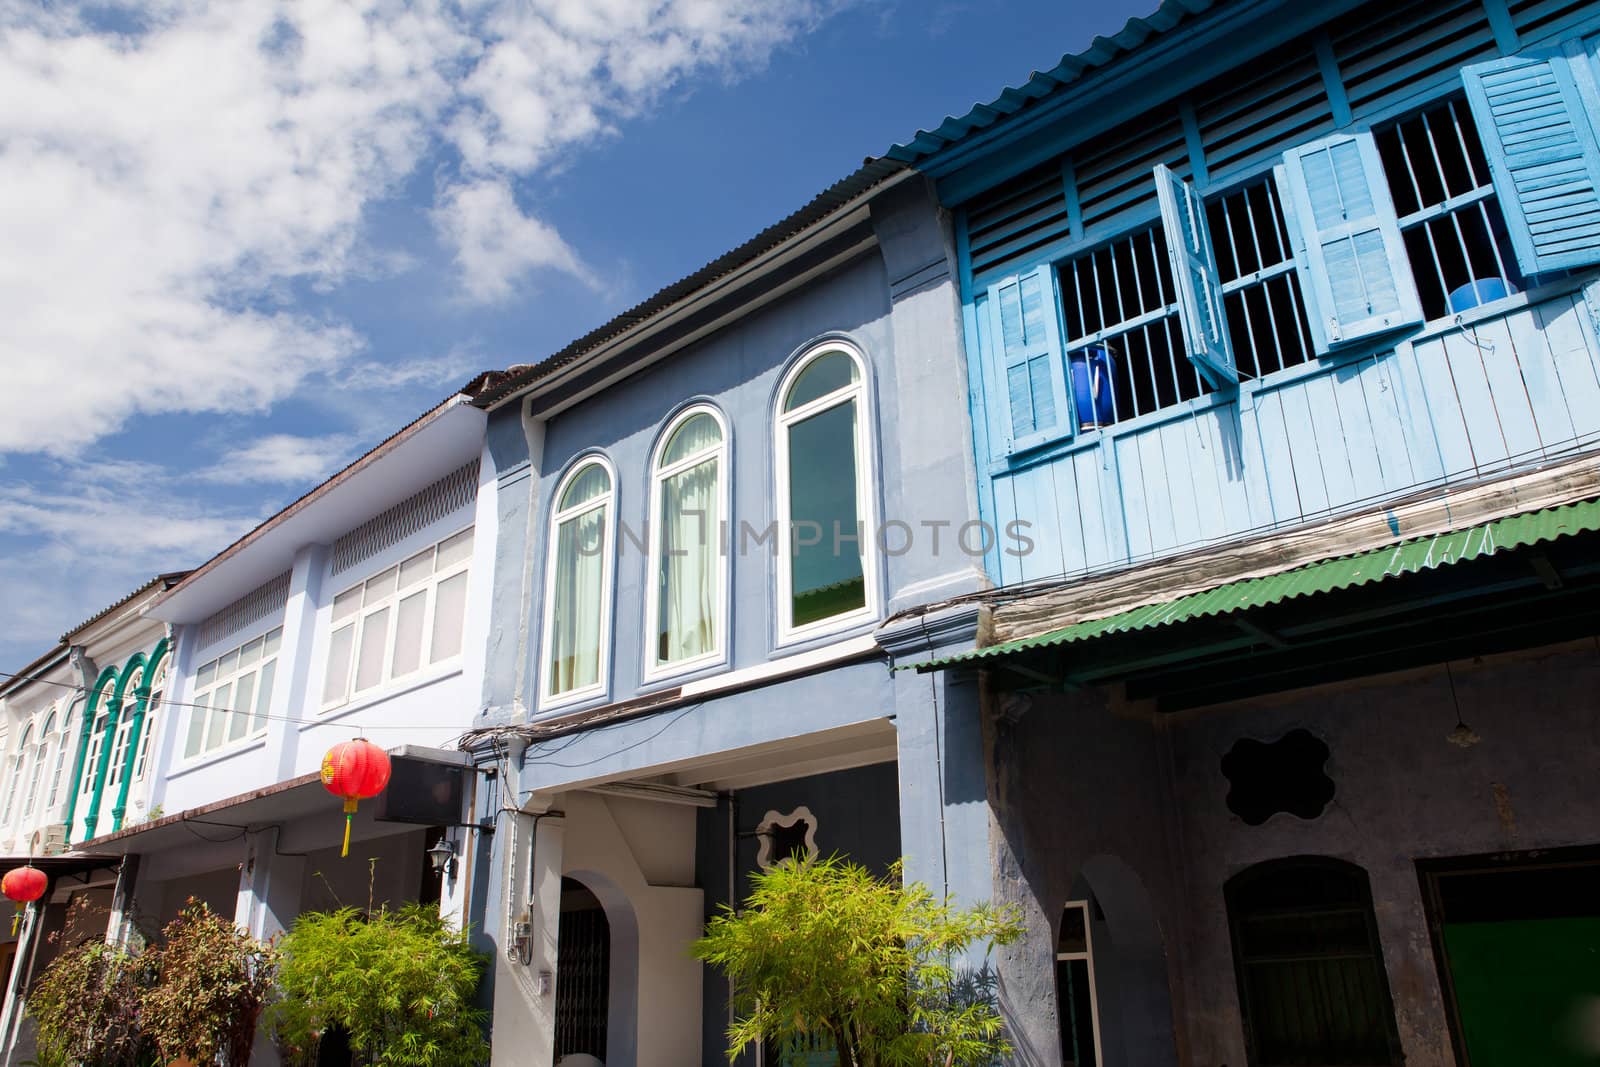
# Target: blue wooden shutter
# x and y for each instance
(1302, 259)
(1542, 155)
(1360, 281)
(1194, 269)
(1024, 324)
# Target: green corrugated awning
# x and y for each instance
(1323, 576)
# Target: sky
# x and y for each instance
(242, 242)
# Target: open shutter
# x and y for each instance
(1194, 268)
(1302, 261)
(1023, 321)
(1542, 155)
(1360, 282)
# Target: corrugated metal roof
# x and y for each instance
(170, 578)
(1324, 576)
(1042, 83)
(870, 174)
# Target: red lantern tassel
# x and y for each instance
(349, 814)
(16, 921)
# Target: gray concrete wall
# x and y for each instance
(1075, 781)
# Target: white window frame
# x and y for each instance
(41, 759)
(654, 668)
(97, 740)
(426, 666)
(119, 743)
(18, 764)
(866, 486)
(54, 793)
(1087, 956)
(141, 762)
(608, 500)
(217, 681)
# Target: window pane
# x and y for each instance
(227, 665)
(250, 653)
(264, 697)
(197, 726)
(822, 506)
(369, 662)
(686, 614)
(243, 698)
(454, 550)
(339, 646)
(221, 708)
(416, 568)
(205, 676)
(346, 603)
(823, 375)
(577, 602)
(270, 646)
(449, 613)
(408, 634)
(379, 586)
(697, 434)
(592, 481)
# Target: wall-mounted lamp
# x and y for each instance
(443, 857)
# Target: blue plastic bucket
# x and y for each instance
(1479, 292)
(1093, 378)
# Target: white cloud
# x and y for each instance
(171, 178)
(496, 244)
(282, 459)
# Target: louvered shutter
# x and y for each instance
(1359, 280)
(1542, 155)
(1026, 338)
(1194, 269)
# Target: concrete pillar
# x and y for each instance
(525, 969)
(944, 803)
(270, 886)
(296, 689)
(122, 901)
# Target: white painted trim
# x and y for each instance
(1087, 956)
(866, 483)
(655, 670)
(608, 501)
(772, 820)
(799, 663)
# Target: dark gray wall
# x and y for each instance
(1080, 791)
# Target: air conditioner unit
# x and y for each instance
(53, 839)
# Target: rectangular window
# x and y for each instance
(232, 695)
(1125, 345)
(1261, 297)
(1454, 234)
(387, 627)
(1075, 994)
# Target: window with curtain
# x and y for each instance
(397, 622)
(687, 558)
(825, 566)
(1312, 987)
(14, 786)
(41, 758)
(231, 696)
(578, 594)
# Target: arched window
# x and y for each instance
(826, 567)
(1312, 987)
(157, 689)
(119, 751)
(14, 783)
(61, 761)
(97, 740)
(687, 509)
(578, 591)
(41, 757)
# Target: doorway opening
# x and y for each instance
(583, 974)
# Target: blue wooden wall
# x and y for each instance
(1513, 383)
(1452, 404)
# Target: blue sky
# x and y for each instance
(247, 240)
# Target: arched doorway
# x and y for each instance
(583, 975)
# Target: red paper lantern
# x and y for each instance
(23, 885)
(354, 771)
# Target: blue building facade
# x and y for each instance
(1282, 336)
(721, 521)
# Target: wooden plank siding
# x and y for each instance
(1512, 388)
(1458, 400)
